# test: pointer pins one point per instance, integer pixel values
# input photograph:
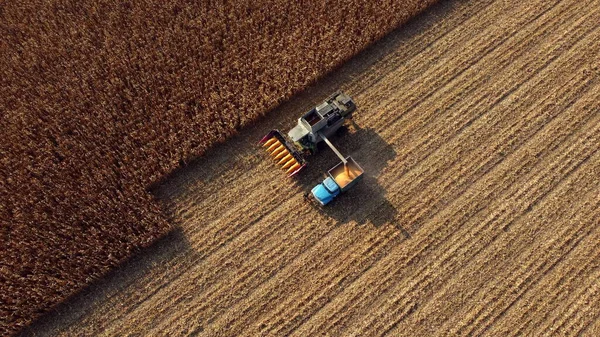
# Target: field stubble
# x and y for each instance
(102, 99)
(478, 128)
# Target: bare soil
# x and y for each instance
(478, 127)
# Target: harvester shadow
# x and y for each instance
(366, 201)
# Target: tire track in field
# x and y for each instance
(458, 249)
(399, 203)
(499, 84)
(415, 248)
(552, 290)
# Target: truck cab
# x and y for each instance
(325, 191)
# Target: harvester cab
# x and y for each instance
(314, 127)
(321, 121)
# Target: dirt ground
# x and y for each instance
(478, 126)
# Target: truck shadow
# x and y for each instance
(366, 201)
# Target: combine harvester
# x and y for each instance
(314, 127)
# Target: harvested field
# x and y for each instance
(478, 128)
(101, 99)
